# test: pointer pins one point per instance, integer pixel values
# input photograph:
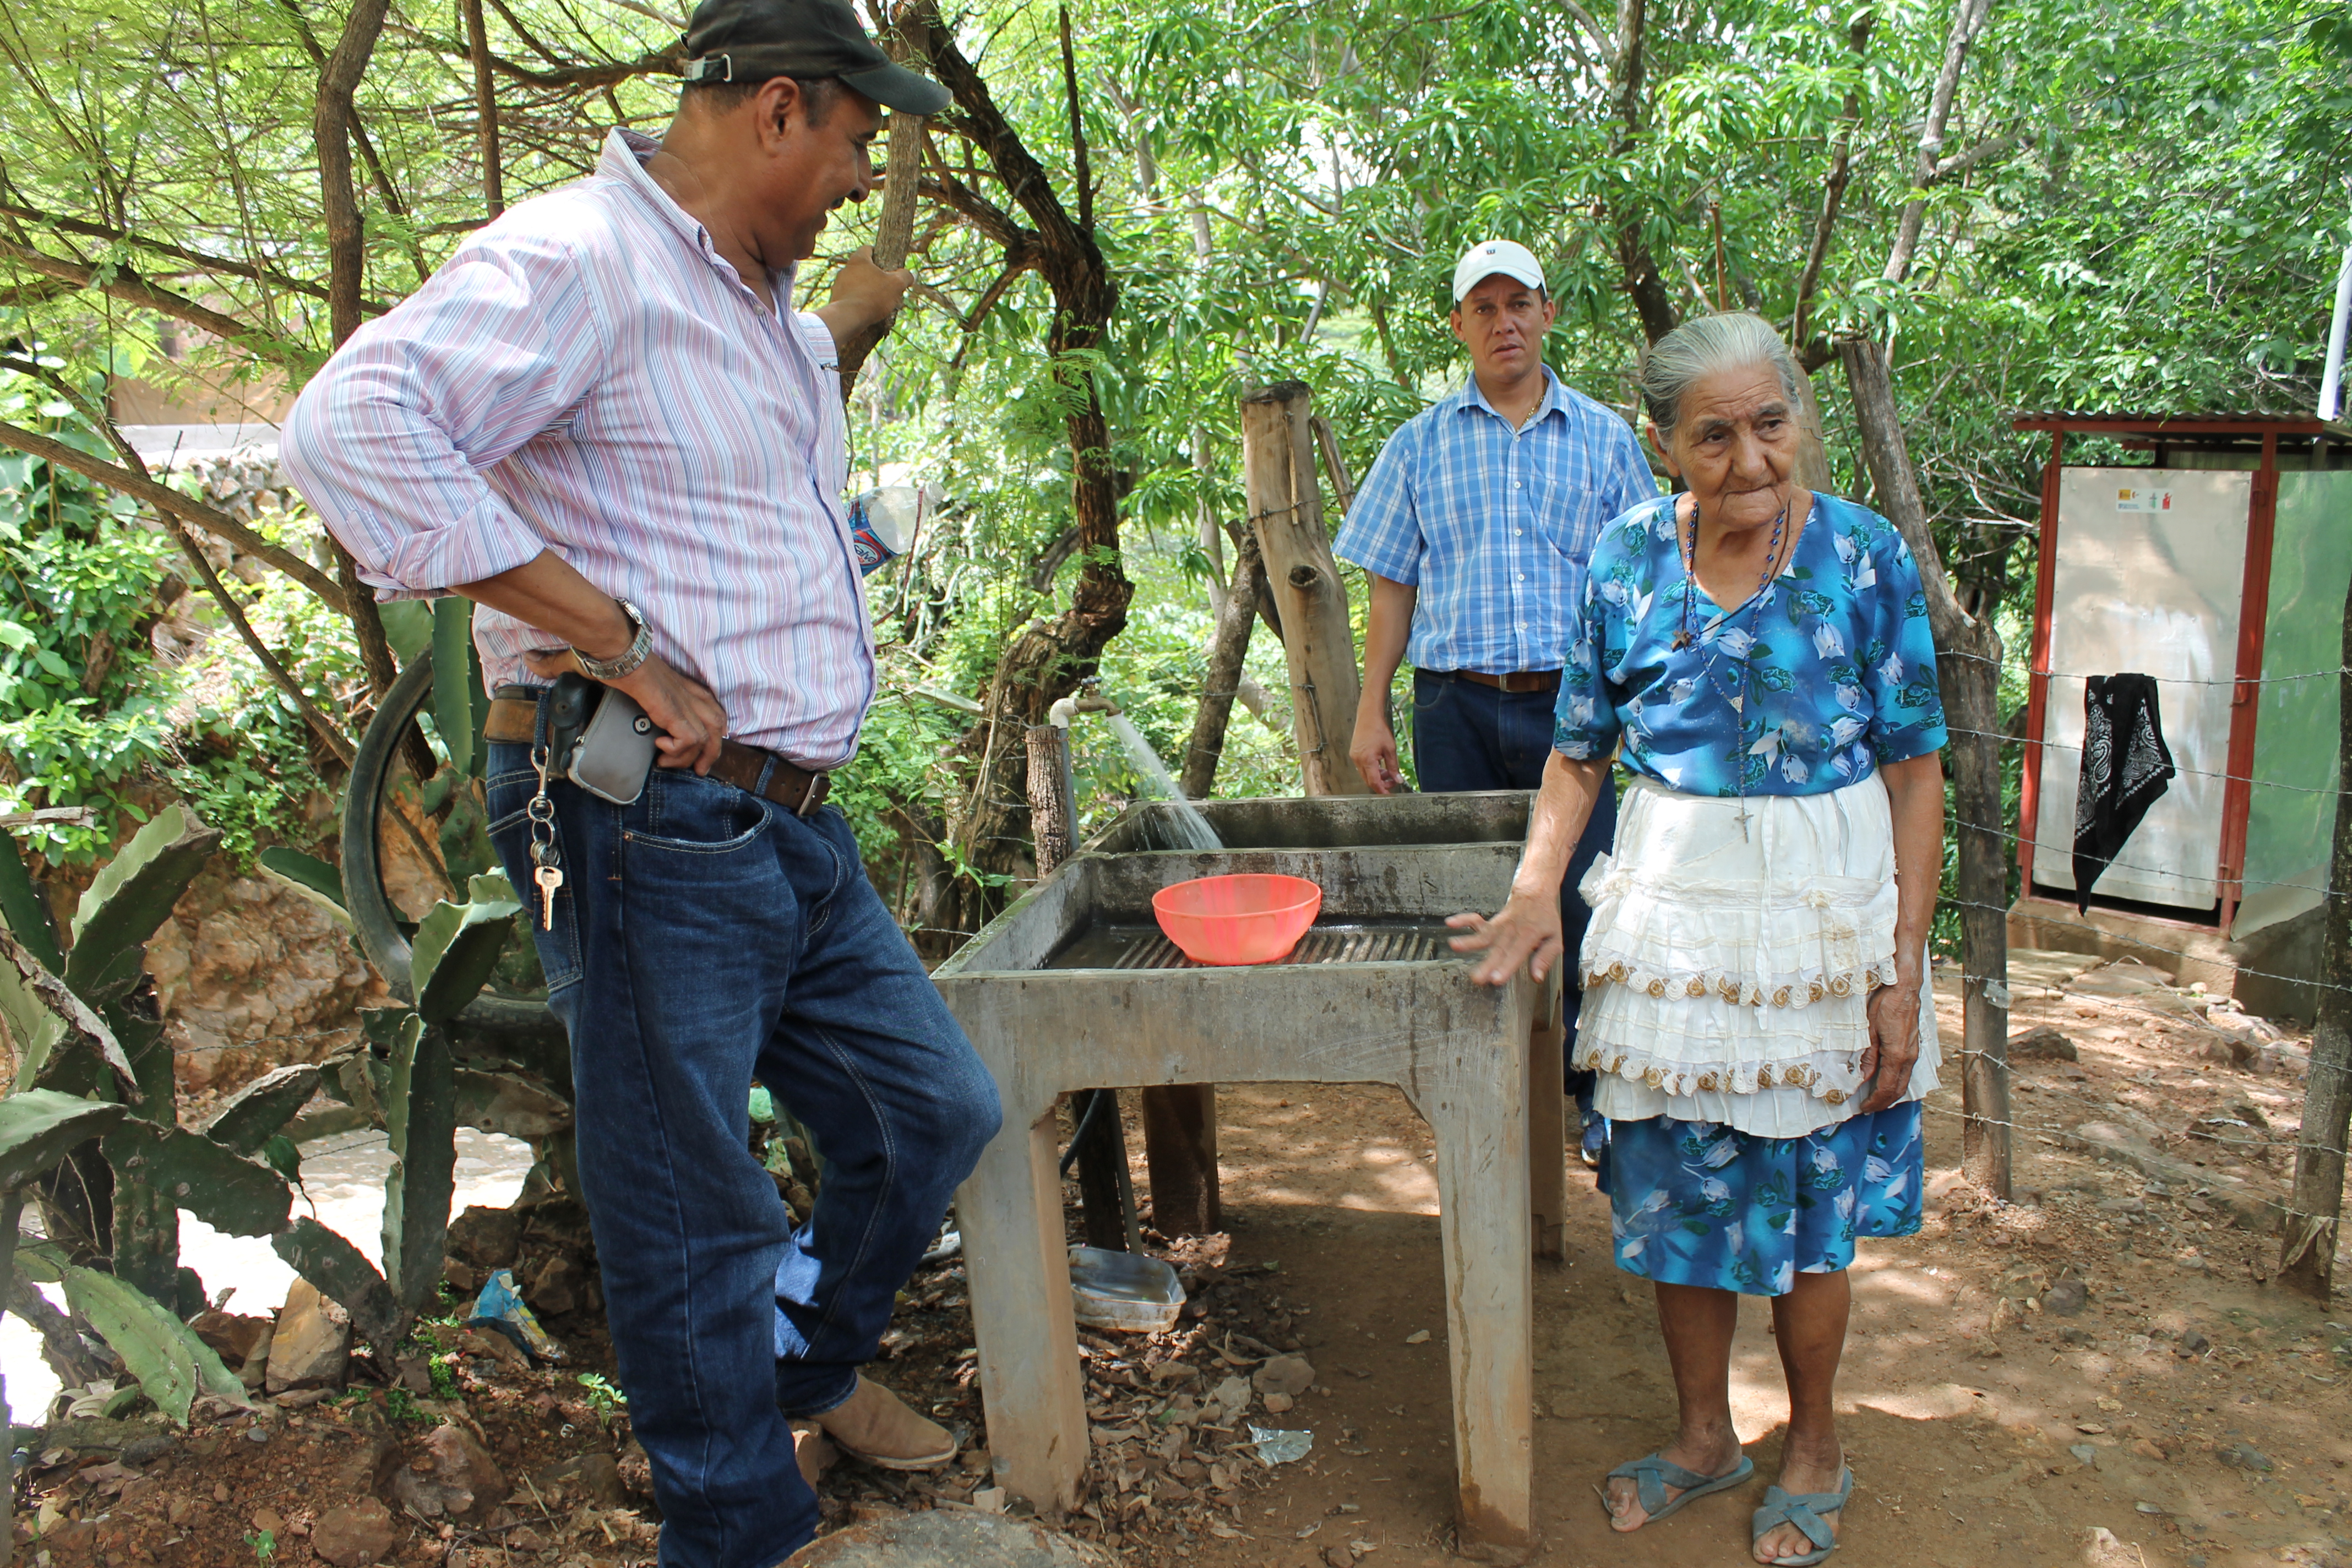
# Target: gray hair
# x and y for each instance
(1701, 347)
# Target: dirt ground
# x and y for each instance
(1993, 1414)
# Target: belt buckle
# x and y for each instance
(820, 785)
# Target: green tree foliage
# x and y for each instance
(2134, 208)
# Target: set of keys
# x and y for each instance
(546, 860)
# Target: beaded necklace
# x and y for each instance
(1683, 638)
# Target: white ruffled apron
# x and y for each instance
(1728, 962)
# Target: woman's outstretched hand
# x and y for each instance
(1894, 1012)
(1526, 930)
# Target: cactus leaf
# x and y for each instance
(456, 947)
(344, 1276)
(39, 1127)
(72, 1014)
(452, 683)
(257, 1113)
(307, 875)
(172, 1366)
(421, 1120)
(31, 1027)
(24, 908)
(229, 1192)
(129, 899)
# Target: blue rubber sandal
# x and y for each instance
(1804, 1510)
(1651, 1476)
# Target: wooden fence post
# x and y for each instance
(1285, 509)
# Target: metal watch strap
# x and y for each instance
(640, 648)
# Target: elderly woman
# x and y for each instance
(1758, 658)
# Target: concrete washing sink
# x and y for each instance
(1074, 987)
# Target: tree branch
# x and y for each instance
(1857, 41)
(323, 726)
(376, 176)
(1967, 17)
(976, 209)
(123, 282)
(210, 263)
(1653, 301)
(1984, 152)
(164, 499)
(1078, 128)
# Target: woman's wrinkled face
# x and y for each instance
(1734, 446)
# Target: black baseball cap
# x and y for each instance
(752, 40)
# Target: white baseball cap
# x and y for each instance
(1486, 258)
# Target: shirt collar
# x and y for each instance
(624, 160)
(1555, 398)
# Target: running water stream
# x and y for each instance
(1188, 827)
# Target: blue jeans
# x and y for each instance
(1467, 736)
(704, 937)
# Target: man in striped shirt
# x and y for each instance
(602, 420)
(1473, 527)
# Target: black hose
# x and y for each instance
(1086, 1124)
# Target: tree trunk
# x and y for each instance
(1052, 812)
(1968, 670)
(1228, 648)
(2316, 1207)
(1048, 659)
(339, 83)
(486, 109)
(1286, 506)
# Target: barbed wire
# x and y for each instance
(1957, 902)
(2058, 1133)
(2026, 669)
(2016, 837)
(2008, 739)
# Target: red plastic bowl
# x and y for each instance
(1248, 918)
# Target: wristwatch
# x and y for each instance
(640, 648)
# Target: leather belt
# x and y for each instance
(1519, 680)
(514, 717)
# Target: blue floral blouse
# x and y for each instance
(1828, 672)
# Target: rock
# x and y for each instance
(461, 1276)
(140, 1451)
(269, 1519)
(2244, 1457)
(1338, 1557)
(255, 1374)
(988, 1499)
(1233, 1396)
(354, 1535)
(636, 1472)
(2066, 1299)
(1277, 1404)
(950, 1538)
(2127, 979)
(485, 1238)
(415, 1375)
(311, 1346)
(554, 1284)
(587, 1477)
(2147, 1448)
(2101, 1549)
(2042, 1045)
(2086, 1452)
(367, 1472)
(2247, 1111)
(231, 1336)
(1287, 1374)
(460, 1480)
(1418, 1337)
(2193, 1343)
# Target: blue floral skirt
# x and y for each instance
(1695, 1203)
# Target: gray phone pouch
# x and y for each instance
(615, 750)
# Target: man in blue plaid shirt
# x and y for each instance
(1474, 528)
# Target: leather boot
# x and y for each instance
(876, 1426)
